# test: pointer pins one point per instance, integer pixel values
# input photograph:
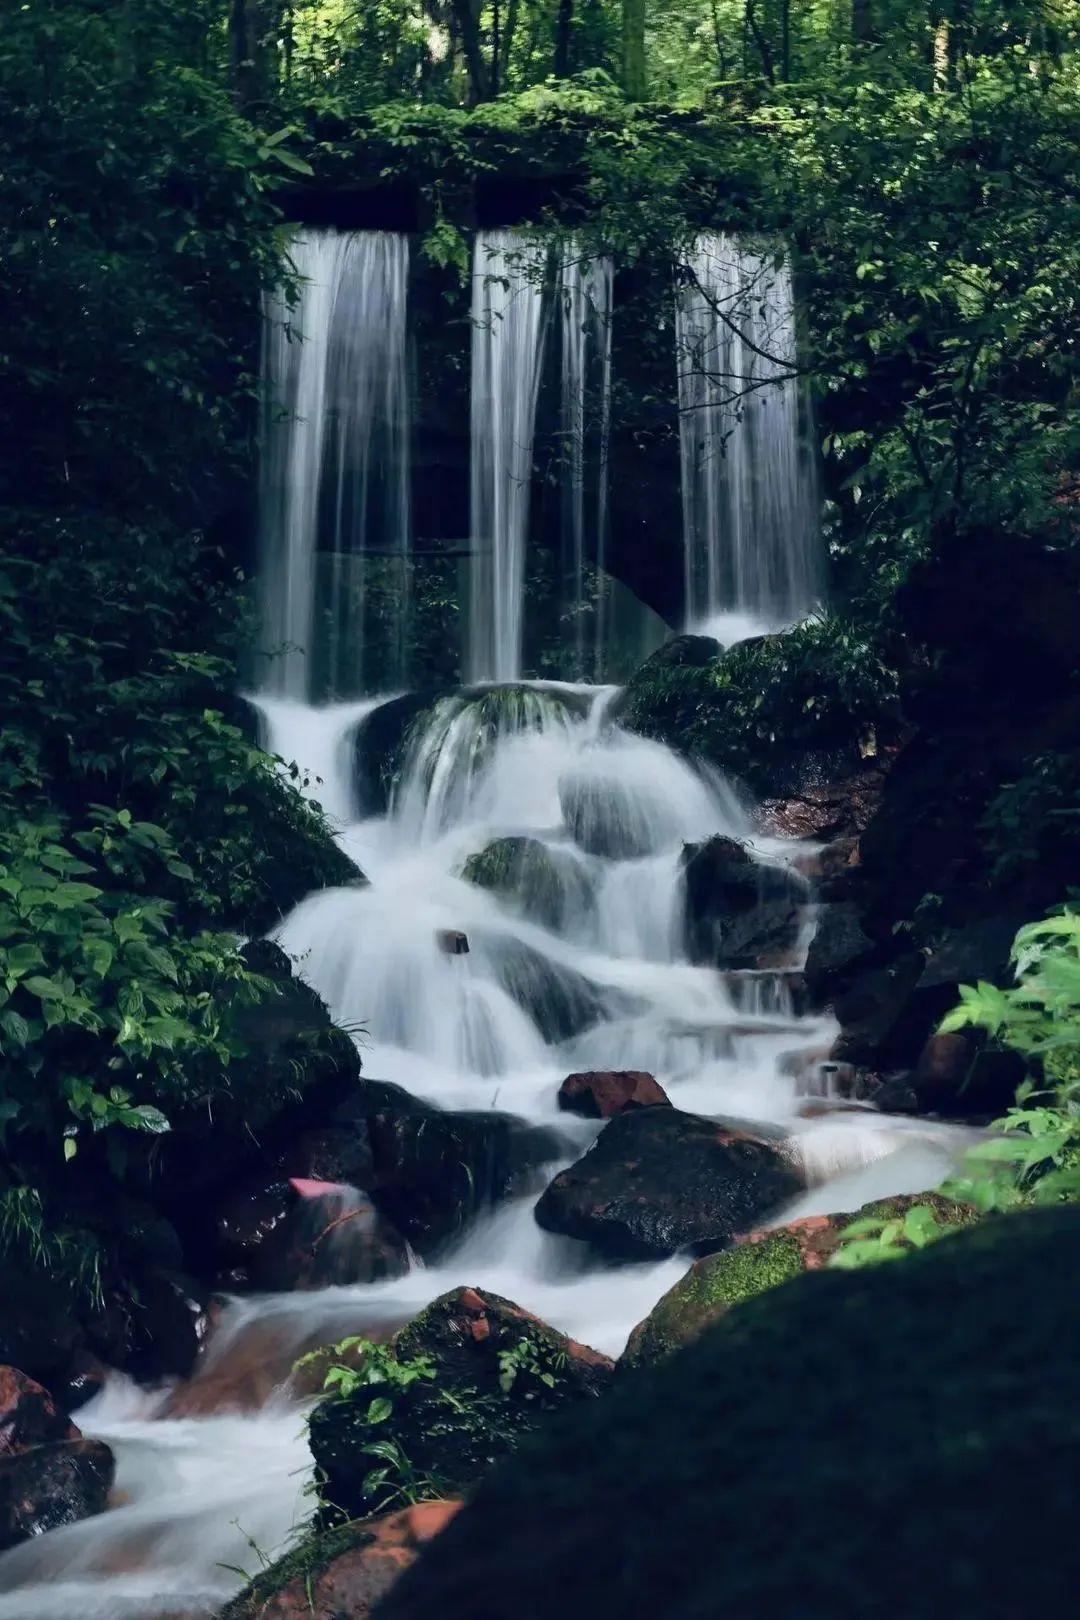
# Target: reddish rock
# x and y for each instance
(602, 1094)
(28, 1415)
(828, 809)
(50, 1486)
(375, 1553)
(465, 1330)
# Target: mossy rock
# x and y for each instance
(852, 1443)
(493, 1373)
(546, 884)
(764, 1260)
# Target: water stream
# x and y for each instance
(200, 1480)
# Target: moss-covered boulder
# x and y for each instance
(471, 1377)
(760, 1261)
(921, 1418)
(344, 1571)
(547, 884)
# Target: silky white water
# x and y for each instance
(749, 490)
(585, 306)
(507, 344)
(335, 464)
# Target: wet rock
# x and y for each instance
(603, 1094)
(560, 1001)
(839, 949)
(342, 1572)
(658, 1180)
(28, 1415)
(606, 816)
(739, 913)
(876, 1381)
(452, 942)
(545, 884)
(822, 795)
(759, 1261)
(85, 1378)
(40, 1330)
(435, 1170)
(301, 1233)
(166, 1327)
(380, 747)
(880, 1026)
(956, 1076)
(485, 1374)
(51, 1486)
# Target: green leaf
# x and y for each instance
(379, 1410)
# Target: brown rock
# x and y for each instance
(375, 1553)
(28, 1415)
(601, 1094)
(452, 942)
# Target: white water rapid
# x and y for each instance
(749, 490)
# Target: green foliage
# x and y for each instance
(1033, 1155)
(823, 684)
(529, 1359)
(1034, 821)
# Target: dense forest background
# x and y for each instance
(921, 160)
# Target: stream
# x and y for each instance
(212, 1477)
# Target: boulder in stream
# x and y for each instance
(49, 1474)
(756, 1262)
(477, 1374)
(658, 1180)
(601, 1094)
(547, 884)
(740, 913)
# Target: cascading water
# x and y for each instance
(585, 296)
(507, 341)
(577, 962)
(335, 468)
(749, 491)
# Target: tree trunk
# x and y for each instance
(564, 22)
(761, 42)
(862, 21)
(635, 82)
(467, 16)
(254, 27)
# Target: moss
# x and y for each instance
(311, 1555)
(824, 685)
(709, 1289)
(920, 1419)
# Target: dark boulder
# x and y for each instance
(603, 1094)
(560, 1001)
(299, 1233)
(40, 1329)
(838, 950)
(49, 1475)
(901, 1398)
(822, 795)
(483, 1375)
(739, 912)
(955, 1075)
(880, 1026)
(344, 1571)
(381, 743)
(658, 1180)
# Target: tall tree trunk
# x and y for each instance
(254, 27)
(862, 21)
(467, 17)
(564, 23)
(762, 43)
(785, 41)
(635, 81)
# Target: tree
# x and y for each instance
(563, 30)
(634, 72)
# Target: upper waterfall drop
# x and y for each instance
(749, 487)
(507, 342)
(335, 473)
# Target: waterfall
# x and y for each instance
(585, 293)
(335, 466)
(749, 494)
(507, 340)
